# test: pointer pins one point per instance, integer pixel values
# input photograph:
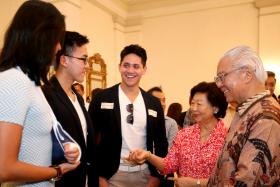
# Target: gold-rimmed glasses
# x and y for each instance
(222, 76)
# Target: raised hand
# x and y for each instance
(72, 152)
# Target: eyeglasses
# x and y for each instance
(221, 77)
(84, 59)
(130, 118)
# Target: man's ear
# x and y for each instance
(248, 75)
(145, 70)
(62, 61)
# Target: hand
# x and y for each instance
(139, 156)
(103, 182)
(72, 152)
(66, 167)
(184, 182)
(152, 181)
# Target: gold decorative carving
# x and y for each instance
(96, 74)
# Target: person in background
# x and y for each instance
(170, 124)
(95, 91)
(126, 117)
(30, 45)
(270, 83)
(231, 110)
(185, 119)
(80, 90)
(69, 108)
(196, 148)
(174, 111)
(250, 156)
(171, 130)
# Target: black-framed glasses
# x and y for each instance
(84, 59)
(129, 118)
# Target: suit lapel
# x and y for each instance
(62, 96)
(149, 119)
(117, 111)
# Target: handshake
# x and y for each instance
(137, 157)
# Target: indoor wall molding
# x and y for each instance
(264, 11)
(266, 3)
(132, 13)
(75, 3)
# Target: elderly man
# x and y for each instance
(251, 154)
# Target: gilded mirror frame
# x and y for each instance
(95, 74)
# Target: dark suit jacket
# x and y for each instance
(68, 117)
(107, 123)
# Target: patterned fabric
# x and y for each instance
(24, 104)
(251, 153)
(192, 158)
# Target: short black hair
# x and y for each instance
(71, 41)
(214, 95)
(271, 74)
(30, 40)
(154, 89)
(137, 50)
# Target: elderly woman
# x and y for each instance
(195, 149)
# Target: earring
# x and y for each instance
(216, 111)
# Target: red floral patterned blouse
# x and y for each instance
(192, 158)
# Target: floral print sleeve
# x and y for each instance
(171, 161)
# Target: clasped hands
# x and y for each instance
(137, 157)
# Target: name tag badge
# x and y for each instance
(152, 113)
(107, 105)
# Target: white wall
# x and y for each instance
(184, 48)
(7, 11)
(270, 41)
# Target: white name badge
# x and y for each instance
(107, 105)
(152, 113)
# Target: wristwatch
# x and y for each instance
(58, 173)
(198, 183)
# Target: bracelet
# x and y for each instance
(58, 173)
(149, 155)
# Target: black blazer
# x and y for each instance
(68, 117)
(107, 123)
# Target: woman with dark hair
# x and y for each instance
(196, 148)
(31, 43)
(174, 111)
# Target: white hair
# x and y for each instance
(244, 56)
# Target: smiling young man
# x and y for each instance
(251, 154)
(69, 108)
(126, 117)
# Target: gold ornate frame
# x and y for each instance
(96, 74)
